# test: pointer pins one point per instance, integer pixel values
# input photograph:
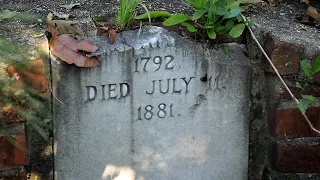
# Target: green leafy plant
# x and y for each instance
(309, 70)
(212, 17)
(125, 14)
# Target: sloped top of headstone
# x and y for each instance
(140, 40)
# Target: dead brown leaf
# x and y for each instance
(61, 26)
(30, 74)
(272, 3)
(306, 1)
(263, 3)
(312, 12)
(66, 47)
(112, 35)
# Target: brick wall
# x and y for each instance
(14, 146)
(294, 149)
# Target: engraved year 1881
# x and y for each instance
(161, 111)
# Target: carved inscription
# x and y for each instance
(150, 111)
(146, 65)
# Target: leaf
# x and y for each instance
(37, 35)
(306, 68)
(6, 14)
(61, 26)
(226, 49)
(153, 14)
(198, 4)
(316, 65)
(66, 48)
(229, 25)
(310, 98)
(190, 27)
(211, 33)
(198, 14)
(61, 15)
(237, 30)
(100, 19)
(221, 12)
(112, 35)
(298, 85)
(70, 6)
(176, 19)
(303, 106)
(233, 13)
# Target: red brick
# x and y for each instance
(289, 123)
(285, 56)
(10, 115)
(296, 158)
(20, 176)
(13, 150)
(316, 76)
(279, 92)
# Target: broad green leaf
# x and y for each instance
(220, 28)
(239, 18)
(198, 4)
(221, 12)
(229, 25)
(233, 13)
(70, 6)
(190, 27)
(310, 98)
(211, 33)
(306, 68)
(176, 19)
(211, 12)
(249, 23)
(226, 49)
(6, 14)
(298, 85)
(198, 14)
(303, 106)
(153, 14)
(316, 65)
(237, 30)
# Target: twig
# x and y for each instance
(279, 76)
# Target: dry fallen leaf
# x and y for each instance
(263, 3)
(66, 47)
(312, 12)
(112, 35)
(61, 15)
(272, 3)
(32, 74)
(70, 6)
(61, 26)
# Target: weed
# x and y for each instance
(309, 71)
(125, 14)
(212, 17)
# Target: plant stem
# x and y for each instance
(278, 74)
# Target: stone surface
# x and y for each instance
(296, 158)
(195, 129)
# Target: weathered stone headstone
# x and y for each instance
(160, 107)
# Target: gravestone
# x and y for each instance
(159, 107)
